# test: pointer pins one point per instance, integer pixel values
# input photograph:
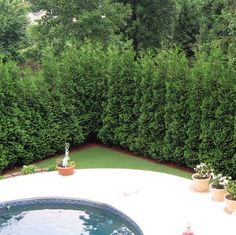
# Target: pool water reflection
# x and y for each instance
(63, 217)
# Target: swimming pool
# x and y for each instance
(63, 216)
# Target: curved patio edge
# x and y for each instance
(159, 203)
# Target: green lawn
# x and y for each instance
(101, 157)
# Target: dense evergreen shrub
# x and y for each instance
(9, 128)
(196, 94)
(158, 105)
(57, 106)
(83, 72)
(176, 107)
(147, 71)
(117, 113)
(151, 126)
(158, 124)
(132, 139)
(218, 113)
(224, 138)
(112, 103)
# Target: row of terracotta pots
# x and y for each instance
(218, 195)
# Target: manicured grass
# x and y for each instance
(101, 157)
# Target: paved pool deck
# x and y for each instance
(160, 204)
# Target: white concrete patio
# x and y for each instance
(159, 203)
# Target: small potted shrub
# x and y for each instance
(202, 177)
(65, 166)
(218, 186)
(230, 197)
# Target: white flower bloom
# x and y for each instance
(66, 157)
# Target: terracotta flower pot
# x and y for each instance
(65, 170)
(201, 185)
(230, 204)
(217, 194)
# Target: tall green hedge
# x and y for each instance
(147, 72)
(10, 131)
(176, 107)
(159, 98)
(132, 139)
(150, 124)
(218, 112)
(157, 104)
(117, 113)
(196, 93)
(40, 111)
(83, 73)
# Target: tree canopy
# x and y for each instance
(13, 21)
(77, 21)
(151, 22)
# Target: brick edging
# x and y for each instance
(40, 170)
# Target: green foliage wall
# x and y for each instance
(176, 107)
(196, 94)
(117, 114)
(180, 112)
(157, 105)
(150, 125)
(218, 111)
(83, 74)
(41, 111)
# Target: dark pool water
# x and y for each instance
(63, 217)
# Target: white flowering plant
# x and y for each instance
(203, 171)
(66, 162)
(219, 181)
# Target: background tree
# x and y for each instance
(13, 21)
(187, 27)
(224, 29)
(218, 19)
(151, 23)
(210, 10)
(77, 21)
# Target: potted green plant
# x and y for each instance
(230, 197)
(66, 166)
(218, 186)
(202, 177)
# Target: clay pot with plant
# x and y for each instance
(230, 197)
(218, 186)
(65, 166)
(202, 177)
